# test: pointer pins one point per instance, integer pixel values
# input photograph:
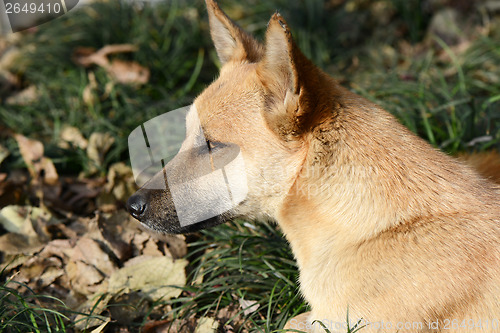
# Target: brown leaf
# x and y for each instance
(128, 72)
(39, 272)
(88, 267)
(13, 189)
(85, 279)
(62, 248)
(23, 97)
(83, 56)
(154, 276)
(3, 154)
(247, 306)
(14, 244)
(101, 327)
(151, 249)
(207, 325)
(96, 306)
(32, 154)
(26, 226)
(127, 308)
(117, 232)
(120, 181)
(140, 240)
(176, 245)
(31, 150)
(16, 219)
(156, 326)
(167, 326)
(230, 313)
(50, 176)
(78, 195)
(87, 56)
(90, 252)
(9, 57)
(89, 95)
(99, 144)
(72, 135)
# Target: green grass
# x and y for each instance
(243, 260)
(24, 312)
(172, 47)
(451, 103)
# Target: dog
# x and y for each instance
(387, 231)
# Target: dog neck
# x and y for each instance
(375, 180)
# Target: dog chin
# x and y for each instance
(172, 226)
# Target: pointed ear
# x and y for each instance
(231, 42)
(296, 89)
(280, 55)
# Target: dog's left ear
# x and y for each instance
(231, 42)
(297, 91)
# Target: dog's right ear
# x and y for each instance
(297, 93)
(231, 42)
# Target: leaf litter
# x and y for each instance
(125, 72)
(78, 244)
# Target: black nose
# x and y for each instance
(136, 205)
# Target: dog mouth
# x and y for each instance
(167, 227)
(165, 220)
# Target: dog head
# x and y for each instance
(258, 112)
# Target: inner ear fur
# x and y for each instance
(298, 94)
(231, 42)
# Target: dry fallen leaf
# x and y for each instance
(155, 277)
(85, 279)
(87, 56)
(72, 136)
(22, 237)
(94, 305)
(127, 72)
(32, 154)
(90, 252)
(248, 307)
(88, 267)
(177, 246)
(9, 57)
(117, 232)
(31, 150)
(24, 97)
(89, 95)
(120, 181)
(167, 326)
(128, 308)
(101, 327)
(99, 144)
(50, 175)
(40, 272)
(62, 248)
(14, 244)
(77, 195)
(4, 152)
(207, 325)
(16, 219)
(231, 320)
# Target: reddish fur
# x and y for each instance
(382, 224)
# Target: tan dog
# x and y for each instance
(385, 228)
